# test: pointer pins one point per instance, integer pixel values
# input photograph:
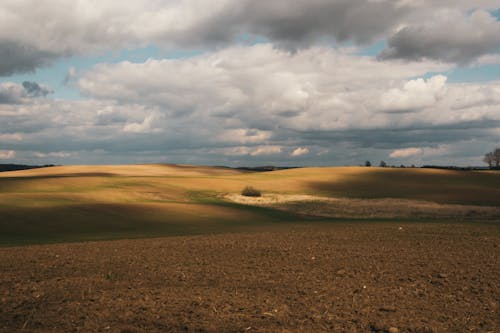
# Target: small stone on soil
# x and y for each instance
(341, 272)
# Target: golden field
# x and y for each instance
(67, 203)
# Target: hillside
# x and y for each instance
(16, 167)
(102, 202)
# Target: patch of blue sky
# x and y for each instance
(55, 74)
(473, 74)
(372, 50)
(496, 13)
(490, 72)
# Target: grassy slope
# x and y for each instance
(102, 202)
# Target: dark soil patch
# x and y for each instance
(357, 277)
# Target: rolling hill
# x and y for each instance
(66, 203)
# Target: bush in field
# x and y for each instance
(249, 191)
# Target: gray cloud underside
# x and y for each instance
(12, 93)
(17, 57)
(456, 38)
(83, 27)
(297, 24)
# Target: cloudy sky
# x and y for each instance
(249, 82)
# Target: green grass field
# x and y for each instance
(77, 203)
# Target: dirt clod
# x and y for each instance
(388, 308)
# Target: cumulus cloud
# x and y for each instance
(78, 128)
(300, 151)
(414, 95)
(10, 93)
(406, 152)
(266, 150)
(82, 27)
(257, 87)
(451, 36)
(11, 137)
(238, 100)
(420, 151)
(253, 151)
(7, 154)
(59, 154)
(245, 136)
(146, 126)
(259, 94)
(245, 105)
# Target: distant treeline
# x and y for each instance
(443, 167)
(16, 167)
(264, 168)
(450, 167)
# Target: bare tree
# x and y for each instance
(493, 159)
(496, 156)
(489, 159)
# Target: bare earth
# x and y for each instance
(336, 277)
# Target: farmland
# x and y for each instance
(108, 202)
(155, 248)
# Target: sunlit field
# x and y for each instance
(108, 202)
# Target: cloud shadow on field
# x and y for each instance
(87, 222)
(451, 187)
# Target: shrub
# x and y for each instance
(249, 191)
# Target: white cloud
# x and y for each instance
(261, 88)
(415, 94)
(11, 137)
(252, 151)
(257, 87)
(419, 151)
(266, 150)
(406, 152)
(300, 151)
(7, 154)
(244, 136)
(11, 93)
(60, 154)
(146, 126)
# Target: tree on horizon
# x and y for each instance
(493, 159)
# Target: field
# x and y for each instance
(155, 248)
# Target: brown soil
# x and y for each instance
(336, 277)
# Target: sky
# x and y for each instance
(249, 82)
